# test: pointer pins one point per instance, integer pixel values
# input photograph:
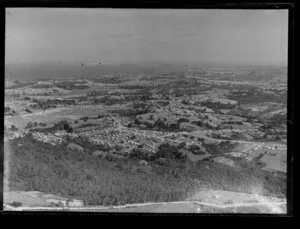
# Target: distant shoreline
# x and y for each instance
(63, 70)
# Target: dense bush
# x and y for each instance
(244, 179)
(195, 149)
(181, 145)
(166, 150)
(145, 95)
(68, 128)
(220, 148)
(28, 111)
(84, 118)
(42, 86)
(42, 104)
(69, 85)
(13, 128)
(174, 126)
(61, 101)
(162, 125)
(29, 125)
(63, 125)
(55, 169)
(141, 107)
(214, 105)
(128, 112)
(20, 85)
(106, 79)
(7, 109)
(182, 120)
(138, 154)
(89, 147)
(86, 125)
(163, 103)
(107, 100)
(254, 95)
(278, 120)
(37, 166)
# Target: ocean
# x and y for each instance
(44, 71)
(53, 70)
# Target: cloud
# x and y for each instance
(160, 42)
(121, 35)
(187, 34)
(153, 41)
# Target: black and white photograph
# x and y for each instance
(131, 110)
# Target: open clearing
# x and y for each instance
(54, 115)
(275, 162)
(205, 201)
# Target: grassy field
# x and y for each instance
(53, 116)
(36, 166)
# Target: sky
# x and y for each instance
(134, 35)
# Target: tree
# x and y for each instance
(185, 102)
(138, 154)
(13, 128)
(195, 149)
(7, 109)
(181, 145)
(85, 118)
(160, 124)
(182, 120)
(29, 125)
(146, 94)
(68, 128)
(100, 116)
(169, 151)
(174, 126)
(199, 123)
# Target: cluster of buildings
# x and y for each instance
(12, 135)
(207, 112)
(47, 138)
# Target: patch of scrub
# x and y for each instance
(194, 158)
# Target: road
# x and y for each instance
(171, 207)
(204, 201)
